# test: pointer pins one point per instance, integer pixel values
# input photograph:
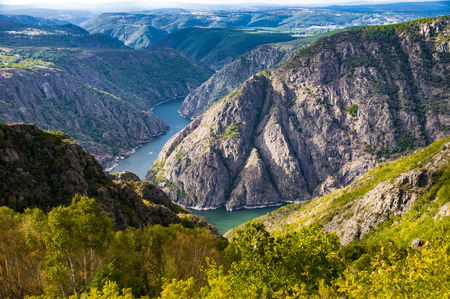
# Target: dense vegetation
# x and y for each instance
(74, 251)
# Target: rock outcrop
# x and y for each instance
(386, 200)
(317, 123)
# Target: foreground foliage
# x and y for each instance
(74, 249)
(74, 252)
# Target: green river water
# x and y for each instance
(144, 157)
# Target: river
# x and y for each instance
(142, 160)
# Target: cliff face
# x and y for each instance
(44, 170)
(317, 123)
(101, 98)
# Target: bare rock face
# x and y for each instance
(317, 123)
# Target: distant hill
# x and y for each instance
(126, 26)
(424, 9)
(263, 57)
(72, 16)
(29, 20)
(217, 47)
(13, 34)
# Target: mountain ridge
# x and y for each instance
(316, 123)
(126, 26)
(263, 57)
(87, 93)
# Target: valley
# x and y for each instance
(315, 124)
(143, 158)
(225, 151)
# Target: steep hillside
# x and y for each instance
(67, 227)
(402, 198)
(126, 26)
(264, 57)
(317, 123)
(101, 98)
(45, 170)
(217, 47)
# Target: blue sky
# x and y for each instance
(162, 3)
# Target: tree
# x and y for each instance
(77, 239)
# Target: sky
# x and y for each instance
(172, 3)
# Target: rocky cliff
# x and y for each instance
(318, 122)
(101, 98)
(45, 170)
(264, 57)
(416, 184)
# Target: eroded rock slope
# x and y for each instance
(405, 195)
